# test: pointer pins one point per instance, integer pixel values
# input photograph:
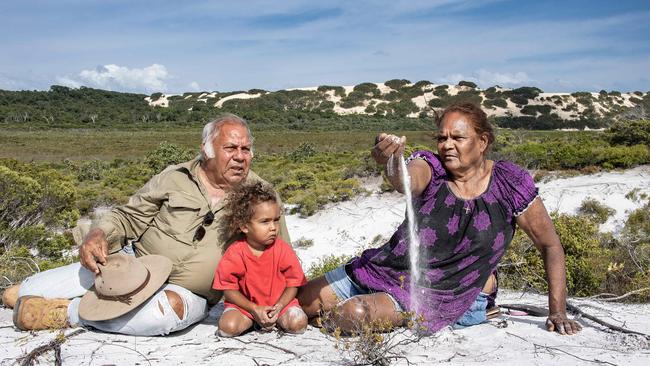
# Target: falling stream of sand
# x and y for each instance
(414, 241)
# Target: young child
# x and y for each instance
(259, 275)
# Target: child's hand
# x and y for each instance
(275, 311)
(261, 315)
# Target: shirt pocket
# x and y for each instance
(181, 215)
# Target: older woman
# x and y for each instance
(466, 207)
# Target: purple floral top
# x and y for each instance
(461, 242)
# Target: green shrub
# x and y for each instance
(396, 84)
(595, 210)
(338, 90)
(499, 102)
(31, 196)
(630, 133)
(302, 152)
(441, 93)
(421, 84)
(326, 264)
(629, 269)
(369, 89)
(520, 96)
(534, 109)
(303, 243)
(586, 258)
(468, 84)
(167, 154)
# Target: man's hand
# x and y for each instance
(265, 316)
(562, 324)
(93, 250)
(387, 145)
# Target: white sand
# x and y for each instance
(221, 101)
(347, 227)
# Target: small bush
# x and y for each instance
(630, 133)
(376, 342)
(303, 243)
(303, 152)
(586, 258)
(396, 84)
(597, 211)
(338, 90)
(499, 102)
(468, 84)
(167, 154)
(326, 264)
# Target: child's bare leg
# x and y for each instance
(294, 320)
(233, 323)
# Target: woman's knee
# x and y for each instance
(176, 303)
(317, 296)
(348, 316)
(356, 309)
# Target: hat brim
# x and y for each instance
(94, 308)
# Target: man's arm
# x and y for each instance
(124, 222)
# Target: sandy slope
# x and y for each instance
(347, 227)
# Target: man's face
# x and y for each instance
(232, 155)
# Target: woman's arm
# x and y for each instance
(536, 222)
(419, 171)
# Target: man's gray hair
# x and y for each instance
(212, 129)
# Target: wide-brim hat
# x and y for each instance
(123, 283)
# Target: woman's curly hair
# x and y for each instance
(241, 202)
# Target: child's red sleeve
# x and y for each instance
(291, 268)
(229, 271)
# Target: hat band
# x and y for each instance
(126, 298)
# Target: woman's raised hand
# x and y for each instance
(387, 145)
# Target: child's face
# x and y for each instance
(263, 227)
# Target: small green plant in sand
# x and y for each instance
(373, 342)
(326, 264)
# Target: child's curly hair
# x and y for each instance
(241, 202)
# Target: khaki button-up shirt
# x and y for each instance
(163, 217)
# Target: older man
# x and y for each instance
(176, 214)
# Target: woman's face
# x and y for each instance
(459, 146)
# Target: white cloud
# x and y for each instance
(194, 86)
(485, 78)
(491, 78)
(114, 77)
(66, 81)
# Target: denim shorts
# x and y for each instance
(345, 288)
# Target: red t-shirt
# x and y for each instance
(262, 279)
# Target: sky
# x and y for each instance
(186, 46)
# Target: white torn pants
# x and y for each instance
(72, 282)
